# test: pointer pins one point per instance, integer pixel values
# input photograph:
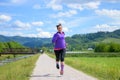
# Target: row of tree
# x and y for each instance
(10, 44)
(107, 47)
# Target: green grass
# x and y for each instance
(100, 54)
(19, 70)
(52, 55)
(104, 68)
(10, 56)
(3, 57)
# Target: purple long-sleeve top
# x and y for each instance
(59, 40)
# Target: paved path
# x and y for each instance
(45, 69)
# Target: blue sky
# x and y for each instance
(38, 18)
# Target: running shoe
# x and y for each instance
(57, 66)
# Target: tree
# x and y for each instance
(1, 46)
(107, 47)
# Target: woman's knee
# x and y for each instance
(57, 59)
(62, 59)
(62, 63)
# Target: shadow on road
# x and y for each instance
(45, 75)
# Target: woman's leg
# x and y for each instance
(62, 66)
(57, 58)
(63, 51)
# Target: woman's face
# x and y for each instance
(59, 29)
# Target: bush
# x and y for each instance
(107, 47)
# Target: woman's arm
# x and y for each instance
(54, 38)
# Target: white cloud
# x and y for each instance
(113, 14)
(54, 5)
(91, 5)
(109, 13)
(99, 28)
(39, 29)
(106, 27)
(20, 25)
(43, 34)
(40, 33)
(61, 21)
(7, 33)
(82, 6)
(36, 6)
(65, 29)
(5, 18)
(111, 1)
(65, 14)
(75, 6)
(115, 23)
(38, 23)
(29, 35)
(4, 33)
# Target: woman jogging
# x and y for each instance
(59, 48)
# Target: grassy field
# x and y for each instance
(8, 56)
(104, 68)
(19, 70)
(93, 54)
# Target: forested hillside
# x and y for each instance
(10, 44)
(75, 42)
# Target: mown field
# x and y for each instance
(104, 68)
(19, 70)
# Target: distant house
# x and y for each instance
(90, 49)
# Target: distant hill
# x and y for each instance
(4, 38)
(75, 42)
(84, 41)
(108, 40)
(26, 41)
